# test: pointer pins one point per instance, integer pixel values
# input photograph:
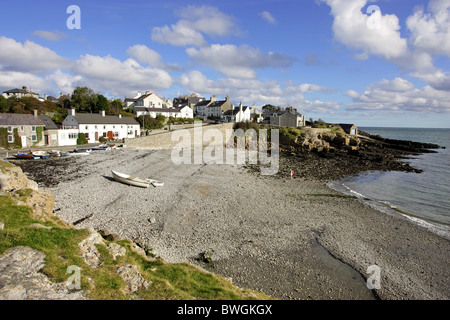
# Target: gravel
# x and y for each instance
(266, 233)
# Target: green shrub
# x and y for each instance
(81, 139)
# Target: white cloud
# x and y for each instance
(400, 95)
(15, 79)
(375, 34)
(267, 16)
(145, 55)
(179, 34)
(119, 77)
(238, 62)
(250, 91)
(29, 57)
(49, 35)
(195, 22)
(430, 31)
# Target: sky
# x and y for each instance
(378, 63)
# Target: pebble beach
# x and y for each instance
(289, 238)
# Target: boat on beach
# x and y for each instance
(79, 150)
(101, 148)
(135, 181)
(23, 156)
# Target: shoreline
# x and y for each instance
(435, 227)
(266, 233)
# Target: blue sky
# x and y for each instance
(331, 59)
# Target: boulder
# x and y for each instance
(13, 178)
(89, 251)
(133, 279)
(116, 250)
(21, 279)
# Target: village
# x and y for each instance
(28, 128)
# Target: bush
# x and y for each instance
(102, 139)
(81, 139)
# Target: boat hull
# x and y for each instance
(130, 180)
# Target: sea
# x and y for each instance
(423, 198)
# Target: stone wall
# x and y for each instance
(170, 139)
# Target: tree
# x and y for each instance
(101, 104)
(269, 107)
(4, 107)
(116, 106)
(84, 99)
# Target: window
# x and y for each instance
(10, 139)
(86, 127)
(86, 135)
(73, 135)
(22, 129)
(33, 129)
(34, 138)
(10, 129)
(116, 134)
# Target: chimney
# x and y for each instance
(45, 96)
(71, 112)
(35, 112)
(147, 92)
(24, 88)
(213, 99)
(102, 112)
(120, 116)
(228, 98)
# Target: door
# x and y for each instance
(24, 141)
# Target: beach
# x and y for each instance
(290, 238)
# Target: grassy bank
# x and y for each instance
(59, 242)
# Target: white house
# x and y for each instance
(94, 126)
(147, 100)
(239, 114)
(184, 112)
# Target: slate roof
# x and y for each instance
(144, 109)
(17, 119)
(16, 90)
(48, 122)
(88, 118)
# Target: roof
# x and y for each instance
(203, 103)
(144, 109)
(16, 90)
(347, 125)
(88, 118)
(18, 119)
(48, 122)
(235, 111)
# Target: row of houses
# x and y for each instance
(29, 130)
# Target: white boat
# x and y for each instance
(135, 181)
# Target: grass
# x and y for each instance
(60, 245)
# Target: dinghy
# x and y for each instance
(135, 181)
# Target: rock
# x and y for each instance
(109, 236)
(21, 279)
(89, 251)
(116, 250)
(13, 178)
(39, 226)
(133, 279)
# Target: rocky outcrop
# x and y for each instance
(89, 251)
(21, 279)
(134, 280)
(12, 178)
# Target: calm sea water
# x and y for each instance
(423, 197)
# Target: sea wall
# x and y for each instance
(170, 139)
